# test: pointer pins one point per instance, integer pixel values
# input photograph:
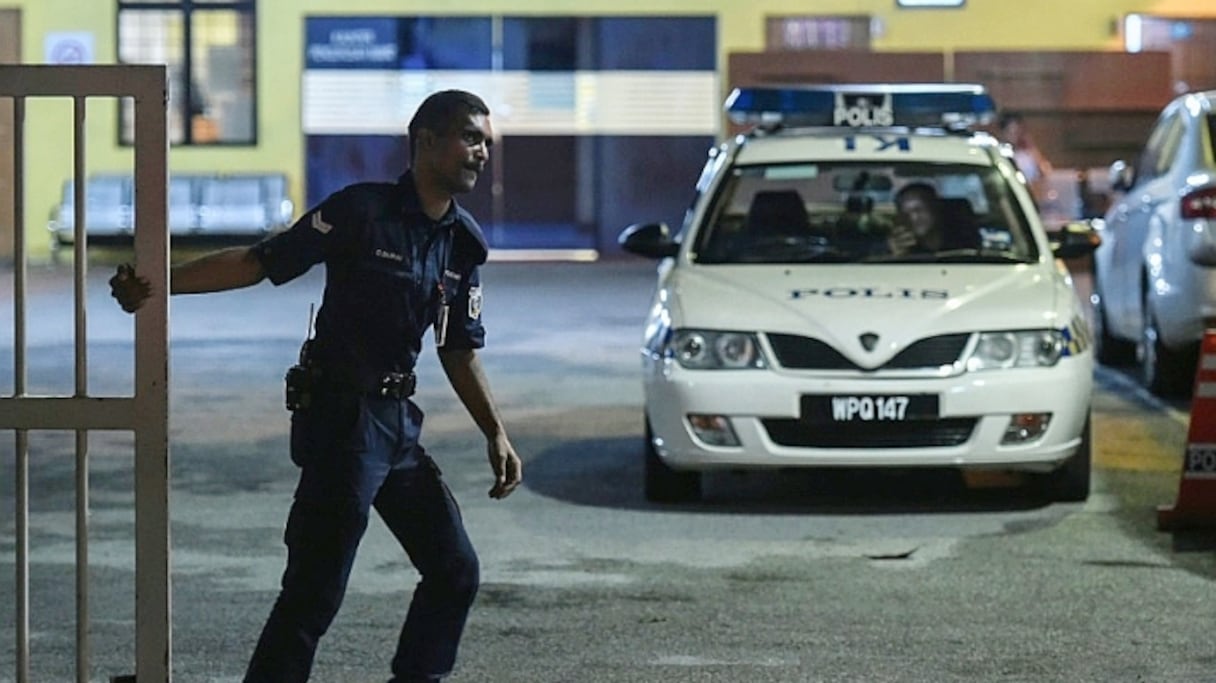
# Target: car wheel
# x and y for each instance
(1070, 481)
(1163, 371)
(1109, 350)
(664, 484)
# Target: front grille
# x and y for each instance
(807, 353)
(931, 352)
(910, 434)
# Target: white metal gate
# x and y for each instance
(146, 413)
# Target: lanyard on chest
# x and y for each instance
(444, 293)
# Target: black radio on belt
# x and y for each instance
(398, 385)
(301, 377)
(299, 386)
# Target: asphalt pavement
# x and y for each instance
(789, 578)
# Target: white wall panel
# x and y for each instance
(377, 102)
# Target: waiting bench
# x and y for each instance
(249, 205)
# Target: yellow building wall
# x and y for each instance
(980, 24)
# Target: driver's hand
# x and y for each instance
(901, 240)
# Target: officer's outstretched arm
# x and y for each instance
(215, 272)
(469, 381)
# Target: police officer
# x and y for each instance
(400, 259)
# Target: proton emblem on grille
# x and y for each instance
(868, 341)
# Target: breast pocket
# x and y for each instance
(385, 278)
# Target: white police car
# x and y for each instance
(789, 328)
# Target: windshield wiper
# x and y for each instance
(951, 256)
(974, 256)
(830, 256)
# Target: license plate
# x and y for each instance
(869, 407)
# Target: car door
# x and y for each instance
(1129, 224)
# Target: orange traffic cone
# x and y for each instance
(1196, 504)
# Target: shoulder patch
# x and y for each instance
(320, 225)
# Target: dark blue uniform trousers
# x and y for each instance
(356, 452)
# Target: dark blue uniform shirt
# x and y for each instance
(390, 271)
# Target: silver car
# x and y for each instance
(1155, 271)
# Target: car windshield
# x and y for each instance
(865, 213)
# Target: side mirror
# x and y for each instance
(1122, 176)
(1076, 239)
(652, 240)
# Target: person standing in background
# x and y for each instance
(1026, 154)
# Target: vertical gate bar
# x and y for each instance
(19, 388)
(19, 269)
(22, 480)
(83, 648)
(78, 198)
(80, 267)
(153, 622)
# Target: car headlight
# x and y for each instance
(1020, 349)
(713, 350)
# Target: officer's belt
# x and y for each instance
(395, 385)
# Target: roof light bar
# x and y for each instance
(933, 105)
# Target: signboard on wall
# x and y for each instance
(351, 43)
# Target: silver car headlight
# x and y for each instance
(716, 350)
(1018, 349)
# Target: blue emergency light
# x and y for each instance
(951, 106)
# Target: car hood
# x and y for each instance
(837, 304)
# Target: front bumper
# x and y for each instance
(763, 408)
